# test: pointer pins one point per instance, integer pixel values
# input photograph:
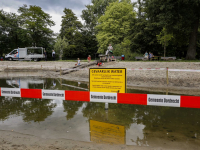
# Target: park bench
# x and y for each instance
(112, 58)
(168, 58)
(139, 58)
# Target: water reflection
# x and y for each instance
(30, 109)
(102, 132)
(139, 125)
(142, 124)
(71, 107)
(56, 84)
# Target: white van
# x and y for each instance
(28, 53)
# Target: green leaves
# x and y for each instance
(180, 18)
(164, 37)
(114, 26)
(36, 22)
(60, 46)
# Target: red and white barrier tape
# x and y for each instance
(121, 98)
(185, 70)
(147, 69)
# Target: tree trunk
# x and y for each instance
(165, 47)
(191, 52)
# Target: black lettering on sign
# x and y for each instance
(101, 71)
(53, 94)
(171, 100)
(116, 71)
(110, 97)
(97, 96)
(15, 92)
(159, 100)
(5, 92)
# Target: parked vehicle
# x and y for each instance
(28, 53)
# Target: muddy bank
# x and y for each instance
(179, 81)
(11, 140)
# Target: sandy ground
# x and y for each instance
(11, 140)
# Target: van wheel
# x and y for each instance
(10, 59)
(35, 59)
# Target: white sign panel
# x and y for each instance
(103, 97)
(53, 94)
(163, 100)
(13, 92)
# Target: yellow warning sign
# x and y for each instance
(102, 132)
(108, 80)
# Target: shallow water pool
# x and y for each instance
(167, 127)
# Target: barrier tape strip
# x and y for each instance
(120, 98)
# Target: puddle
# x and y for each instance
(90, 122)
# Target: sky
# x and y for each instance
(53, 7)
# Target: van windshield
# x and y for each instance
(14, 51)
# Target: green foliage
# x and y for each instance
(71, 30)
(93, 12)
(114, 26)
(60, 46)
(120, 50)
(180, 18)
(164, 38)
(37, 23)
(11, 34)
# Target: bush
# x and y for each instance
(120, 50)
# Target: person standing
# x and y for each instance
(146, 55)
(89, 58)
(53, 54)
(110, 49)
(79, 62)
(150, 55)
(45, 55)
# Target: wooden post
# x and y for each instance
(55, 68)
(60, 70)
(61, 82)
(167, 75)
(41, 66)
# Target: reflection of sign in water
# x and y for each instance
(101, 132)
(108, 80)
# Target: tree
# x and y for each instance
(164, 38)
(93, 12)
(11, 34)
(180, 18)
(60, 45)
(114, 26)
(37, 23)
(71, 30)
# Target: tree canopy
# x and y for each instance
(114, 26)
(132, 28)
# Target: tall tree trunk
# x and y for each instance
(165, 47)
(191, 52)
